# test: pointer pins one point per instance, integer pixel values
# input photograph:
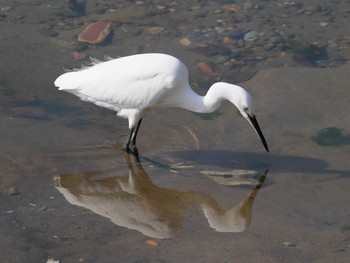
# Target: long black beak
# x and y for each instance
(255, 124)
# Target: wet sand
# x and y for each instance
(64, 179)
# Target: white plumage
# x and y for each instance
(135, 84)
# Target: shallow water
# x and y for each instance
(69, 193)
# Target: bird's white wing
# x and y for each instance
(132, 82)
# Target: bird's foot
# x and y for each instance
(133, 151)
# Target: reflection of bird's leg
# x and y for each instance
(246, 205)
(128, 186)
(137, 178)
(138, 162)
(128, 161)
(261, 180)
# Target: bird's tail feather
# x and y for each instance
(68, 81)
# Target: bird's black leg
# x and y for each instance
(128, 140)
(133, 139)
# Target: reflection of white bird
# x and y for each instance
(135, 84)
(135, 202)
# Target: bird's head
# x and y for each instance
(244, 102)
(239, 97)
(250, 117)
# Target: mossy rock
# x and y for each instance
(330, 136)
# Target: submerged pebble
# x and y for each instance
(251, 36)
(288, 244)
(233, 177)
(331, 136)
(156, 30)
(152, 243)
(232, 26)
(276, 39)
(185, 42)
(13, 191)
(236, 35)
(79, 55)
(204, 67)
(96, 33)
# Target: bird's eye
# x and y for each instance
(246, 109)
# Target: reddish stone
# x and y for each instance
(96, 33)
(79, 56)
(205, 67)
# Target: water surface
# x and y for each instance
(68, 192)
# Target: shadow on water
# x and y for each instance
(255, 161)
(133, 201)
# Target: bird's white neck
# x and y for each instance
(217, 93)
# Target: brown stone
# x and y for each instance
(96, 33)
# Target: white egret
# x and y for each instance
(136, 84)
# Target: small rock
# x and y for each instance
(232, 8)
(332, 44)
(49, 33)
(152, 243)
(212, 50)
(220, 60)
(283, 54)
(312, 9)
(269, 46)
(241, 43)
(80, 46)
(204, 67)
(67, 13)
(185, 42)
(323, 24)
(345, 40)
(248, 5)
(220, 29)
(236, 54)
(2, 16)
(236, 35)
(156, 30)
(96, 33)
(331, 136)
(13, 191)
(223, 1)
(258, 50)
(161, 7)
(7, 9)
(79, 55)
(196, 7)
(276, 39)
(43, 208)
(228, 41)
(78, 7)
(235, 177)
(182, 27)
(101, 10)
(288, 244)
(251, 36)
